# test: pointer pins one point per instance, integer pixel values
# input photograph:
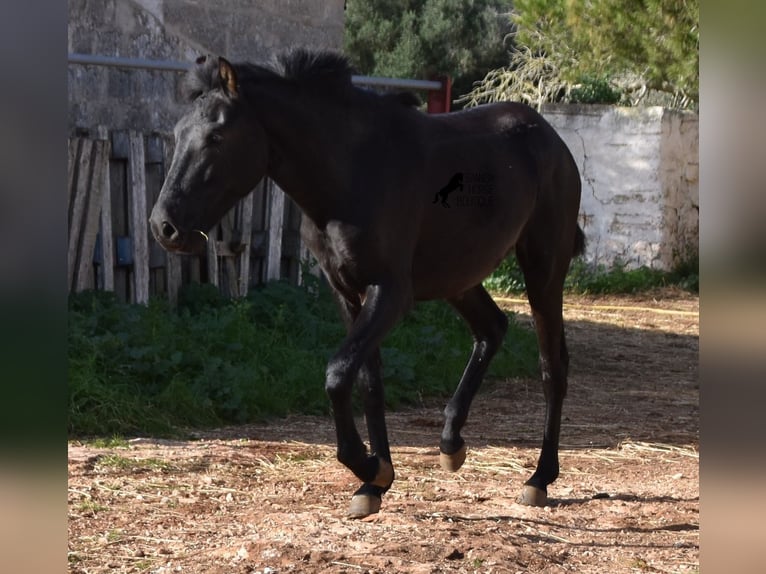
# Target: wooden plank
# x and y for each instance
(259, 236)
(276, 220)
(84, 273)
(291, 241)
(78, 209)
(118, 187)
(154, 179)
(195, 269)
(212, 256)
(74, 148)
(173, 269)
(227, 276)
(121, 145)
(154, 149)
(139, 221)
(230, 273)
(74, 145)
(107, 241)
(247, 233)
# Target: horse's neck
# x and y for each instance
(301, 162)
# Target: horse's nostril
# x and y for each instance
(168, 230)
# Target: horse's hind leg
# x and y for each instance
(544, 277)
(488, 325)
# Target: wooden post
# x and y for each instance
(173, 261)
(139, 220)
(89, 231)
(247, 238)
(107, 243)
(276, 220)
(78, 196)
(80, 216)
(74, 144)
(212, 256)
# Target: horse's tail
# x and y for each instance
(579, 242)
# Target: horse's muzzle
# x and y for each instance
(173, 239)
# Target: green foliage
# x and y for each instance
(585, 278)
(149, 369)
(654, 40)
(423, 38)
(594, 90)
(507, 278)
(577, 50)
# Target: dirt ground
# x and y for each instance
(272, 498)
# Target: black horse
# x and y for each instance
(363, 168)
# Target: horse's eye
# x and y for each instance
(215, 138)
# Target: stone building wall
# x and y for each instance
(179, 30)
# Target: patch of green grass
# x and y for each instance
(91, 506)
(585, 278)
(107, 442)
(150, 369)
(73, 557)
(132, 464)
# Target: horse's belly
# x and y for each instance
(459, 249)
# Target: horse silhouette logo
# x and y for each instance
(456, 182)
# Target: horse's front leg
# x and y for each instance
(358, 356)
(367, 499)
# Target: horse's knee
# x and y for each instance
(494, 335)
(337, 381)
(554, 381)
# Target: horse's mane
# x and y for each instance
(322, 71)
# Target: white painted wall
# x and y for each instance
(639, 170)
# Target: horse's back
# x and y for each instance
(515, 170)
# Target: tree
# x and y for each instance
(580, 50)
(423, 38)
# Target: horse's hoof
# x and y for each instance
(363, 505)
(385, 476)
(452, 462)
(533, 496)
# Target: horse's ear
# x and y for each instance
(228, 77)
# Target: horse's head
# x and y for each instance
(220, 155)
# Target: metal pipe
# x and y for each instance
(174, 66)
(118, 62)
(397, 83)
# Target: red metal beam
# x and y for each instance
(439, 100)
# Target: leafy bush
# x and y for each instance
(149, 369)
(585, 278)
(594, 90)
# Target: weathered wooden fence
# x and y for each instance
(114, 180)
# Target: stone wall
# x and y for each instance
(180, 30)
(639, 170)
